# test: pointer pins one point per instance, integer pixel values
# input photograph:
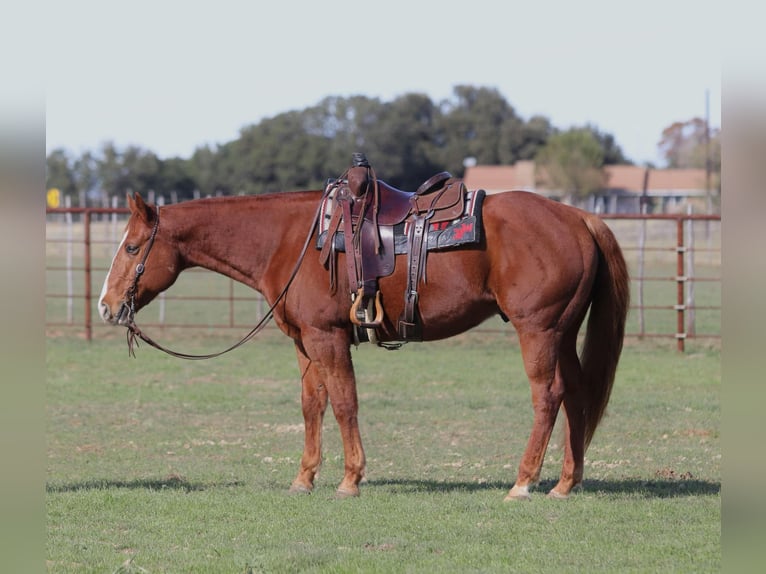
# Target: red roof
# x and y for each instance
(495, 178)
(629, 178)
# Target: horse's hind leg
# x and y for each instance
(574, 408)
(540, 353)
(314, 403)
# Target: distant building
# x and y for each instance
(497, 178)
(667, 190)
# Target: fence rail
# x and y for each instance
(669, 255)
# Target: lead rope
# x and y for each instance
(135, 332)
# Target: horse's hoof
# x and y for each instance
(517, 493)
(343, 493)
(299, 489)
(510, 498)
(557, 495)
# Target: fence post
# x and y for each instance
(69, 278)
(641, 254)
(114, 219)
(88, 322)
(690, 303)
(680, 280)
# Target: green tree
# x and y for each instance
(684, 145)
(572, 162)
(142, 170)
(400, 145)
(522, 140)
(86, 176)
(278, 154)
(202, 170)
(132, 170)
(612, 152)
(407, 140)
(347, 125)
(471, 125)
(112, 177)
(176, 175)
(59, 173)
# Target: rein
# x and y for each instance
(135, 332)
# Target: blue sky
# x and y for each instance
(171, 76)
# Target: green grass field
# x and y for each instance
(160, 465)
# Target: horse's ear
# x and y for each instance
(140, 208)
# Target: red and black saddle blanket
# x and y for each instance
(465, 230)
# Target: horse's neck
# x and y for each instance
(240, 237)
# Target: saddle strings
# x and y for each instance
(135, 332)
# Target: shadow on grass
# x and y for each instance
(661, 488)
(634, 487)
(169, 483)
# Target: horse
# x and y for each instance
(542, 265)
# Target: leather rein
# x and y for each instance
(129, 307)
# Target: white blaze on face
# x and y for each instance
(103, 309)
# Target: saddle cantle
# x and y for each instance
(372, 222)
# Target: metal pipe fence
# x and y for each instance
(674, 259)
(685, 254)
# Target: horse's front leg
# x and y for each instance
(329, 360)
(314, 403)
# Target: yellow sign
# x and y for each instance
(54, 197)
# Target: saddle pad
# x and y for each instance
(464, 230)
(328, 205)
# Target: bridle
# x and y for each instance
(129, 305)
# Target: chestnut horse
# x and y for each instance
(540, 264)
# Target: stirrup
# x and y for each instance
(375, 323)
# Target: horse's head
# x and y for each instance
(144, 265)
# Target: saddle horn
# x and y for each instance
(359, 175)
(359, 159)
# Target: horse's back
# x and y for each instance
(527, 210)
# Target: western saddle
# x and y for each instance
(367, 211)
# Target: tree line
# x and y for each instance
(407, 140)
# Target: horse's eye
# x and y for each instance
(131, 249)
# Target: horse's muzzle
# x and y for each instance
(124, 315)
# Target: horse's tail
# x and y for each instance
(610, 299)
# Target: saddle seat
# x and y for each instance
(441, 194)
